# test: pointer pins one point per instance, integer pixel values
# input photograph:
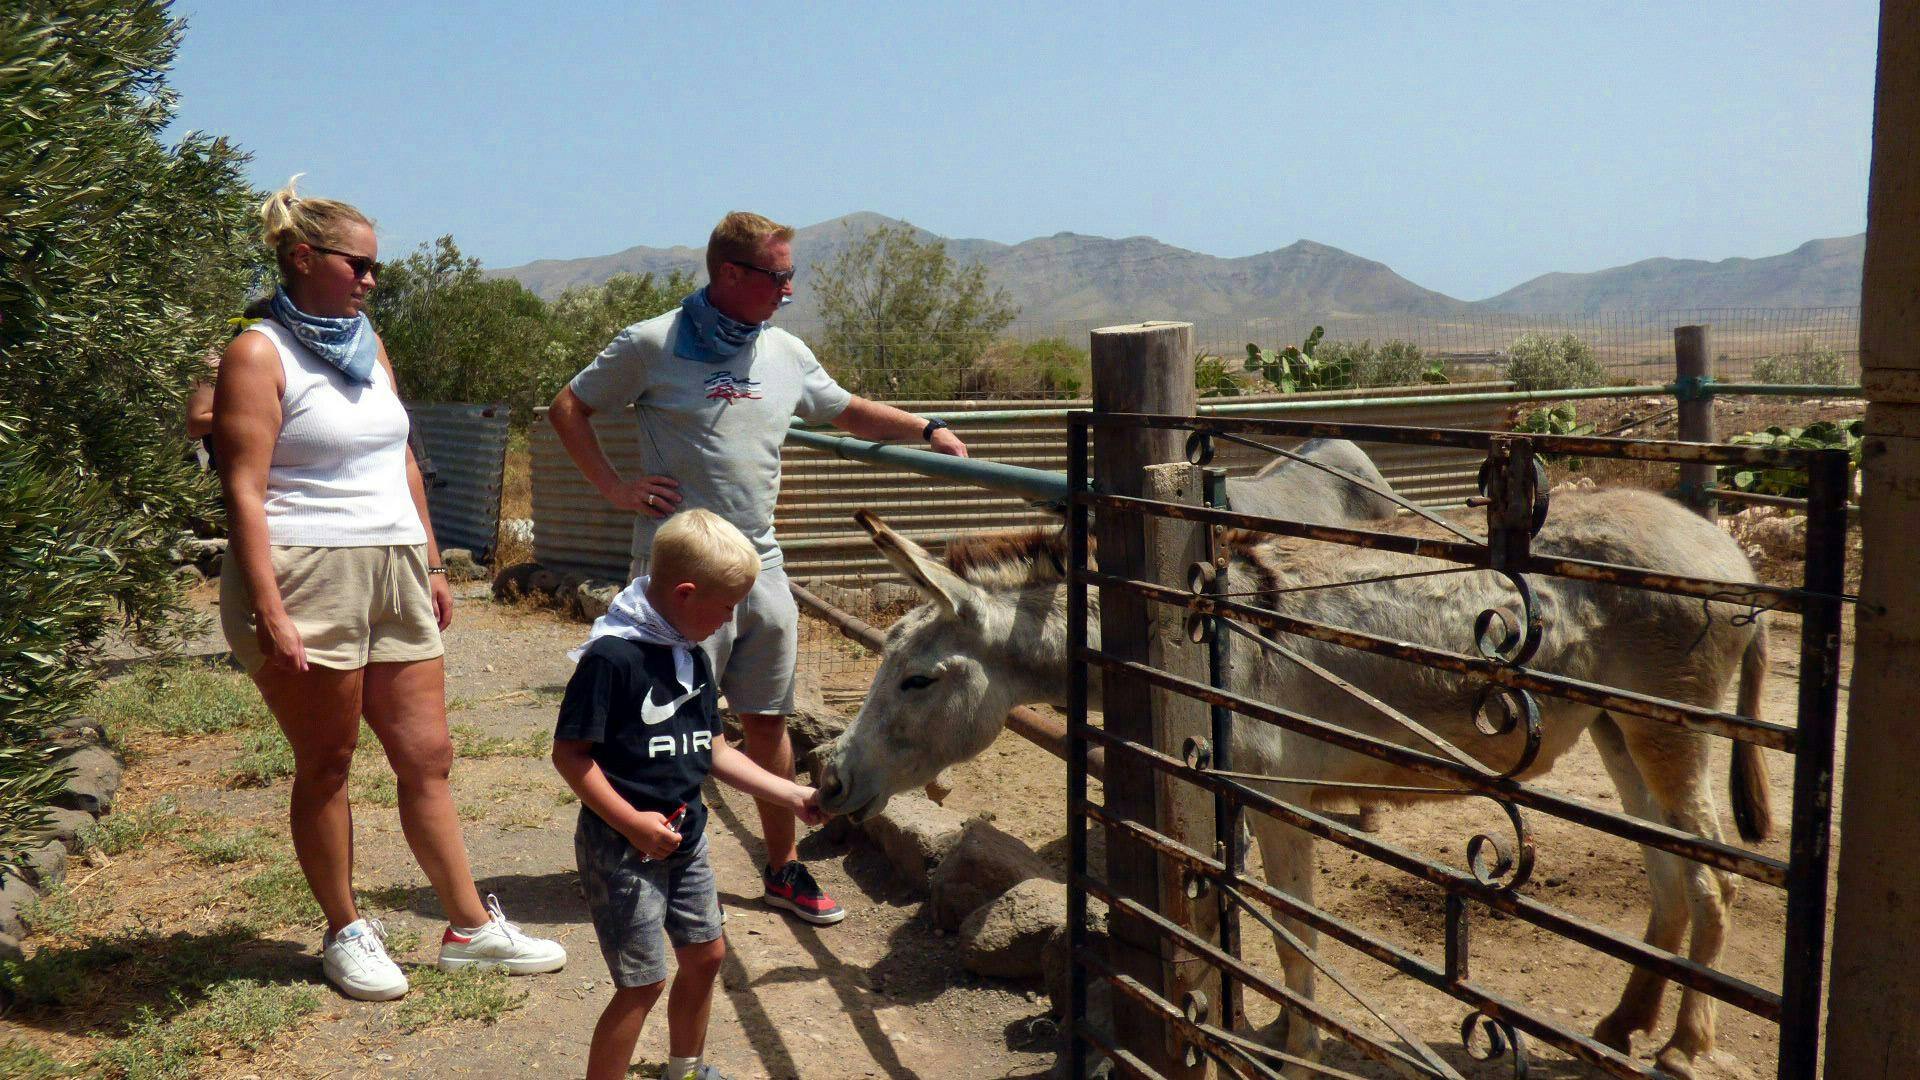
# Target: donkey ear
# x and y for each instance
(941, 585)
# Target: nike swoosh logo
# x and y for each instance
(651, 714)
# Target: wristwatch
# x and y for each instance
(926, 433)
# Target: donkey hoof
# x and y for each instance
(1616, 1033)
(1675, 1061)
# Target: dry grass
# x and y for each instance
(516, 501)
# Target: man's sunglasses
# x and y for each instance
(779, 277)
(361, 265)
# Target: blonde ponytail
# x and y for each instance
(287, 219)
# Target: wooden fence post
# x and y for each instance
(1692, 366)
(1144, 368)
(1873, 1006)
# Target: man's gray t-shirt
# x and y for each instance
(715, 428)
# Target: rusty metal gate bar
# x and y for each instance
(1516, 509)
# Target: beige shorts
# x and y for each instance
(353, 606)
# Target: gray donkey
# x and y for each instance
(994, 634)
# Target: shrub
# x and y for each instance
(1539, 362)
(121, 257)
(1792, 483)
(1048, 368)
(1809, 363)
(1394, 363)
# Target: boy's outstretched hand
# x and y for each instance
(808, 808)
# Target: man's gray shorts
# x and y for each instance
(632, 899)
(754, 654)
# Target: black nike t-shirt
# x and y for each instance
(621, 698)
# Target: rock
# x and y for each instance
(10, 949)
(64, 825)
(189, 575)
(77, 731)
(813, 722)
(15, 894)
(592, 597)
(95, 779)
(519, 530)
(514, 582)
(1053, 968)
(205, 555)
(461, 565)
(47, 863)
(915, 834)
(543, 583)
(1005, 936)
(1781, 537)
(984, 864)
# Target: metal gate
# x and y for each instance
(1493, 879)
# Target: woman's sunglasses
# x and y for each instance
(361, 265)
(779, 277)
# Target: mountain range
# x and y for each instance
(1069, 277)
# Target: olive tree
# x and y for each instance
(121, 258)
(901, 318)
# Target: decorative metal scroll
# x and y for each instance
(1494, 762)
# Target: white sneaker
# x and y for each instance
(356, 961)
(500, 944)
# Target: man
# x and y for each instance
(714, 388)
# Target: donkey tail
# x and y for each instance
(1751, 787)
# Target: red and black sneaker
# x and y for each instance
(793, 888)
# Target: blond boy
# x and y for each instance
(639, 731)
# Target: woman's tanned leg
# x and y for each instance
(405, 704)
(319, 710)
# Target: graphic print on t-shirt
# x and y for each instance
(726, 386)
(651, 714)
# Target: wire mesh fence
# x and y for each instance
(1047, 360)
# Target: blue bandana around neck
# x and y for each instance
(348, 344)
(708, 335)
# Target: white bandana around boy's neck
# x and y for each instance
(632, 617)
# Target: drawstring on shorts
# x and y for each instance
(393, 579)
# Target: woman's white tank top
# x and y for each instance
(339, 472)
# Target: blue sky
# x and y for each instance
(1470, 147)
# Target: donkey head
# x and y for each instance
(991, 636)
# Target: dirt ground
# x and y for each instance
(1593, 876)
(880, 995)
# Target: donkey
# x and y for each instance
(993, 635)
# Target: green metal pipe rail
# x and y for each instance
(1034, 485)
(1042, 486)
(1685, 390)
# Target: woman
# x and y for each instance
(333, 596)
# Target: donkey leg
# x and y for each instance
(1667, 914)
(1676, 765)
(1286, 855)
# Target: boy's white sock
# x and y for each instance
(681, 1068)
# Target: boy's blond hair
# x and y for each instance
(739, 237)
(702, 547)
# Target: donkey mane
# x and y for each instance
(1015, 559)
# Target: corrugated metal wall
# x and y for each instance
(467, 445)
(575, 530)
